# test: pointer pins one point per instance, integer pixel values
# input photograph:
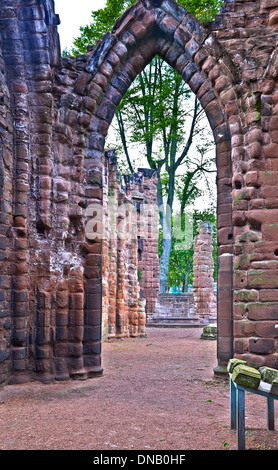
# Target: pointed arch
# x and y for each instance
(164, 28)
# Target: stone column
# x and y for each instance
(203, 267)
(225, 308)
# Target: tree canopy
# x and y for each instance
(104, 19)
(160, 113)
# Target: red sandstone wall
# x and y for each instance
(6, 191)
(142, 188)
(59, 115)
(248, 30)
(123, 296)
(120, 295)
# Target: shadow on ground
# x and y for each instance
(157, 393)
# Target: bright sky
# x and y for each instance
(74, 14)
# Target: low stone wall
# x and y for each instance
(174, 309)
(177, 305)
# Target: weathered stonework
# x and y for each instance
(126, 299)
(142, 189)
(200, 307)
(54, 117)
(175, 309)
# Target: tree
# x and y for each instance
(155, 112)
(165, 119)
(104, 19)
(181, 261)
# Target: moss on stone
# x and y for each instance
(246, 376)
(239, 197)
(248, 236)
(233, 363)
(268, 374)
(274, 387)
(246, 295)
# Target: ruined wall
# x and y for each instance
(248, 31)
(175, 308)
(200, 307)
(55, 115)
(124, 295)
(6, 192)
(142, 188)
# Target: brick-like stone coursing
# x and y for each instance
(54, 118)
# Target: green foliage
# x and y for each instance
(139, 274)
(181, 261)
(154, 112)
(204, 10)
(104, 19)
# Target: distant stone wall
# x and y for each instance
(176, 306)
(200, 306)
(127, 248)
(142, 188)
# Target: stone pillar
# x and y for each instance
(203, 267)
(122, 314)
(142, 188)
(225, 308)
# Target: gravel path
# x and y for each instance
(157, 393)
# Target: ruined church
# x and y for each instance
(62, 287)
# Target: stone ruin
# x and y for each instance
(54, 117)
(127, 297)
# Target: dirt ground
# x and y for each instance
(157, 393)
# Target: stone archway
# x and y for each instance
(55, 117)
(180, 40)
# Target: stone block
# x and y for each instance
(233, 363)
(268, 374)
(264, 279)
(263, 311)
(246, 376)
(261, 345)
(274, 387)
(266, 329)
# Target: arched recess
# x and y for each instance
(165, 28)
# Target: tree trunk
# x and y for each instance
(185, 282)
(166, 250)
(164, 265)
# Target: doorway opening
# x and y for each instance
(133, 296)
(179, 40)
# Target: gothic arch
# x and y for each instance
(168, 30)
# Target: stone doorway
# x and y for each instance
(141, 41)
